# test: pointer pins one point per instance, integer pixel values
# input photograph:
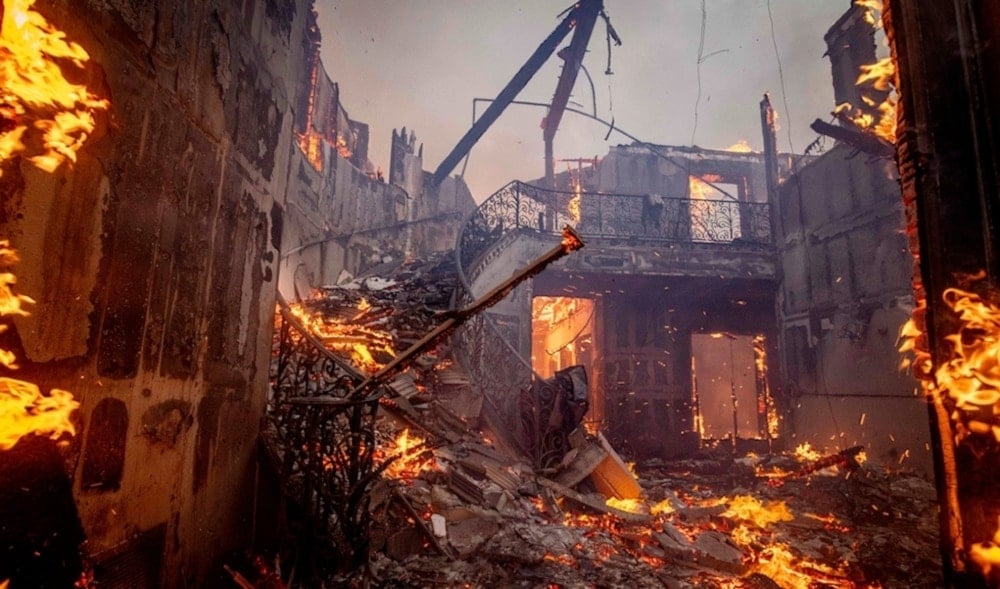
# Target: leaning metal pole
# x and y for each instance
(570, 242)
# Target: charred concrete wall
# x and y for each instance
(154, 264)
(845, 294)
(341, 219)
(635, 169)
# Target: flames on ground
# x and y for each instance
(479, 514)
(408, 456)
(357, 335)
(705, 522)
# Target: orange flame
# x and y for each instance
(342, 148)
(570, 240)
(805, 452)
(699, 189)
(986, 555)
(10, 303)
(750, 509)
(360, 342)
(628, 505)
(574, 203)
(409, 456)
(23, 411)
(311, 144)
(36, 95)
(741, 146)
(878, 118)
(971, 378)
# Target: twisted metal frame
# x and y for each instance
(327, 437)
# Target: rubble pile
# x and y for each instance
(454, 509)
(475, 517)
(369, 319)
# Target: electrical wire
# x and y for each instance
(701, 53)
(781, 79)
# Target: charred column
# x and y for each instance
(949, 81)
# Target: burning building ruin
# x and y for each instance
(234, 351)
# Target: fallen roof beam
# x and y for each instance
(859, 139)
(509, 93)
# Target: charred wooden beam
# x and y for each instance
(948, 151)
(509, 93)
(573, 56)
(847, 459)
(866, 142)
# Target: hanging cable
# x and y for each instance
(697, 65)
(781, 79)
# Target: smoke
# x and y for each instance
(420, 65)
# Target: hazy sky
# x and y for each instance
(419, 64)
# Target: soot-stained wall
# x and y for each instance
(153, 261)
(845, 294)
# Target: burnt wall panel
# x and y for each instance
(845, 297)
(166, 228)
(208, 430)
(126, 290)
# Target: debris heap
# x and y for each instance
(453, 509)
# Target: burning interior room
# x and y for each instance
(249, 340)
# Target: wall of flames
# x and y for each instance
(878, 118)
(44, 120)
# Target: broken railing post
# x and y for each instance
(570, 242)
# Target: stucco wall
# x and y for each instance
(844, 297)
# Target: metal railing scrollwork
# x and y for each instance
(326, 451)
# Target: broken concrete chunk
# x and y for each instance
(468, 535)
(439, 525)
(580, 462)
(715, 550)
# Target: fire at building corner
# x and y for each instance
(234, 352)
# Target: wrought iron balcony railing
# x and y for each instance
(615, 216)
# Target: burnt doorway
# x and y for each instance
(727, 375)
(563, 335)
